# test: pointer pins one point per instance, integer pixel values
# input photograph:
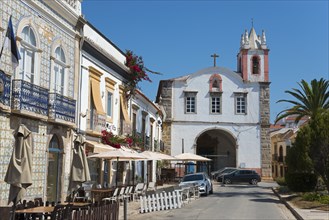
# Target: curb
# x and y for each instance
(292, 210)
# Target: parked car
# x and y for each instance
(224, 170)
(242, 176)
(201, 179)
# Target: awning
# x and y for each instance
(124, 109)
(95, 85)
(99, 147)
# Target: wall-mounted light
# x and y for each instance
(84, 114)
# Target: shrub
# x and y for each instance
(283, 190)
(311, 196)
(301, 182)
(281, 181)
(324, 199)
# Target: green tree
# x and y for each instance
(300, 175)
(319, 146)
(311, 100)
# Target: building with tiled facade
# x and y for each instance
(41, 92)
(70, 80)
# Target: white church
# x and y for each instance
(222, 114)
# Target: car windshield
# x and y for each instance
(192, 178)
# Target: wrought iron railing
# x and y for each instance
(29, 97)
(4, 89)
(61, 107)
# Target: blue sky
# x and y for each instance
(177, 38)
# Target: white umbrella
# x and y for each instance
(118, 155)
(191, 157)
(151, 155)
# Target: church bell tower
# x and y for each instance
(253, 57)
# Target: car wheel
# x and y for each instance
(254, 181)
(212, 190)
(227, 181)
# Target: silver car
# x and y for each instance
(202, 180)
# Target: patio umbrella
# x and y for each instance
(151, 155)
(19, 172)
(119, 155)
(191, 157)
(79, 169)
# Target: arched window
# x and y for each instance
(27, 66)
(215, 83)
(255, 65)
(59, 71)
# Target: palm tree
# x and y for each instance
(311, 100)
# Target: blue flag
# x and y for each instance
(10, 43)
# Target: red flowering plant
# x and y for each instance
(117, 141)
(137, 71)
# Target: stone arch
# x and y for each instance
(218, 144)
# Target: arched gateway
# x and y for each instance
(218, 145)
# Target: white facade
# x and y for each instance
(222, 114)
(243, 128)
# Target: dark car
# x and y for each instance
(218, 173)
(242, 176)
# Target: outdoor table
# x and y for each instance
(98, 194)
(36, 210)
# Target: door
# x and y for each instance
(54, 172)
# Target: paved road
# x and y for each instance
(229, 202)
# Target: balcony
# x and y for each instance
(4, 91)
(29, 99)
(278, 158)
(61, 108)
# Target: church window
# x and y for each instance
(215, 83)
(190, 102)
(240, 103)
(255, 65)
(215, 103)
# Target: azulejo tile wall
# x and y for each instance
(48, 31)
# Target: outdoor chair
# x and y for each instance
(120, 196)
(62, 212)
(114, 197)
(128, 193)
(152, 186)
(139, 190)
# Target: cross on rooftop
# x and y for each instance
(215, 56)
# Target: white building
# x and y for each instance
(102, 105)
(224, 114)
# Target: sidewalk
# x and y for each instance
(303, 214)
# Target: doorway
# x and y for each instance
(218, 145)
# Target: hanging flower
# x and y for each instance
(137, 71)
